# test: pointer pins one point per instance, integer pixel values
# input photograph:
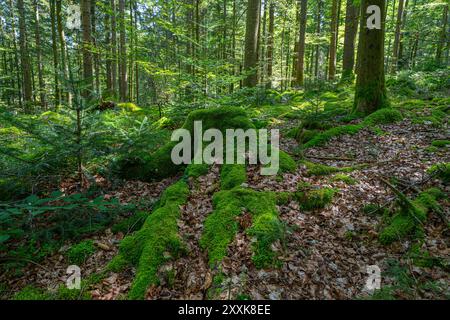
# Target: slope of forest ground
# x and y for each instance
(345, 202)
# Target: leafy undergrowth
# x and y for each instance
(353, 192)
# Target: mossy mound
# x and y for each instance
(343, 178)
(287, 164)
(440, 143)
(196, 170)
(315, 199)
(442, 171)
(232, 175)
(222, 225)
(79, 252)
(148, 167)
(411, 216)
(156, 242)
(383, 116)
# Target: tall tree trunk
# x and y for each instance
(123, 82)
(301, 44)
(443, 36)
(398, 25)
(16, 57)
(351, 29)
(370, 92)
(95, 54)
(37, 36)
(318, 30)
(108, 62)
(114, 60)
(62, 46)
(333, 41)
(87, 47)
(57, 93)
(251, 42)
(24, 58)
(270, 42)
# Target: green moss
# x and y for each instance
(129, 107)
(31, 293)
(344, 178)
(315, 199)
(440, 143)
(283, 198)
(232, 175)
(441, 170)
(79, 253)
(159, 165)
(383, 116)
(65, 293)
(221, 225)
(322, 138)
(155, 243)
(196, 170)
(287, 164)
(411, 216)
(130, 224)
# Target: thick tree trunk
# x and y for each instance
(333, 41)
(24, 58)
(301, 44)
(114, 60)
(351, 29)
(370, 92)
(251, 42)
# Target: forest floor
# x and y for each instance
(326, 252)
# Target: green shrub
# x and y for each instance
(78, 253)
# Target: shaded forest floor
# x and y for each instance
(323, 253)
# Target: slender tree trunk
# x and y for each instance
(370, 92)
(270, 42)
(95, 54)
(37, 35)
(395, 51)
(108, 62)
(24, 58)
(57, 93)
(443, 36)
(114, 60)
(318, 30)
(87, 47)
(62, 46)
(123, 82)
(333, 41)
(351, 29)
(251, 42)
(301, 44)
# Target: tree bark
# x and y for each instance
(86, 48)
(370, 93)
(443, 36)
(251, 42)
(351, 29)
(123, 82)
(333, 41)
(37, 35)
(114, 60)
(301, 44)
(270, 42)
(24, 58)
(395, 50)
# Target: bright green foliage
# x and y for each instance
(442, 171)
(232, 175)
(79, 253)
(156, 242)
(31, 293)
(221, 225)
(440, 143)
(283, 197)
(322, 138)
(65, 293)
(196, 170)
(129, 107)
(411, 216)
(287, 164)
(315, 199)
(383, 116)
(130, 224)
(344, 178)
